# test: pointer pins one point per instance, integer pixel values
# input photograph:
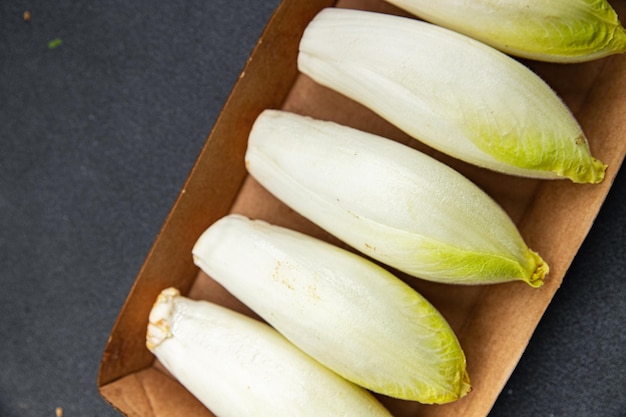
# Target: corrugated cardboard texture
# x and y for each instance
(494, 323)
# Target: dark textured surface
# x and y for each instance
(97, 137)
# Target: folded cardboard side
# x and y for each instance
(494, 323)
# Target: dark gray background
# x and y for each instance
(96, 139)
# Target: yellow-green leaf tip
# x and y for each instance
(593, 175)
(541, 270)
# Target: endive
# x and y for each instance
(389, 201)
(452, 92)
(346, 312)
(561, 31)
(237, 366)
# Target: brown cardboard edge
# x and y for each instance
(256, 89)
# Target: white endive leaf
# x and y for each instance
(562, 31)
(237, 366)
(348, 313)
(449, 91)
(389, 201)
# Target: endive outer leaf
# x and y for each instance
(563, 31)
(346, 312)
(389, 201)
(237, 366)
(452, 92)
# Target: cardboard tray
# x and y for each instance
(493, 323)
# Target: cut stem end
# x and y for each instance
(159, 322)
